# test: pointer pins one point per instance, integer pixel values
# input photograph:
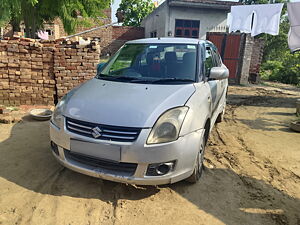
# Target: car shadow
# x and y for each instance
(281, 113)
(265, 124)
(262, 100)
(26, 160)
(237, 199)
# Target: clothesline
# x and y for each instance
(265, 18)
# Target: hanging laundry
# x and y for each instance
(294, 33)
(229, 19)
(256, 19)
(241, 18)
(266, 19)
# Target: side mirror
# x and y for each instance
(100, 67)
(219, 73)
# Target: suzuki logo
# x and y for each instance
(96, 132)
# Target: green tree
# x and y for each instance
(35, 12)
(279, 64)
(135, 11)
(10, 10)
(276, 46)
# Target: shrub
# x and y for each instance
(287, 70)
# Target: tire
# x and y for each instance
(199, 163)
(295, 126)
(220, 117)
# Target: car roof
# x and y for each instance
(167, 40)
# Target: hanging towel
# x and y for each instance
(229, 19)
(266, 19)
(294, 33)
(241, 18)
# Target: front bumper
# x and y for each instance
(183, 151)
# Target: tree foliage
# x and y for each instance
(135, 11)
(35, 12)
(279, 64)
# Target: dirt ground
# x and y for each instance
(252, 174)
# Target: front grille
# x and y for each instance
(127, 169)
(112, 133)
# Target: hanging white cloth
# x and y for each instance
(265, 18)
(294, 33)
(241, 18)
(229, 19)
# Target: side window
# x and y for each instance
(209, 61)
(217, 58)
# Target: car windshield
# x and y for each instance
(152, 63)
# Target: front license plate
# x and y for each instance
(103, 151)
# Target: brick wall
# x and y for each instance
(112, 38)
(33, 72)
(127, 33)
(25, 74)
(246, 61)
(74, 64)
(120, 35)
(256, 59)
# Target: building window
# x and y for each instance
(50, 32)
(178, 33)
(186, 33)
(187, 28)
(153, 34)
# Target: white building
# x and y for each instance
(187, 18)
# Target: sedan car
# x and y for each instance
(146, 116)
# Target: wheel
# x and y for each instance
(199, 163)
(220, 117)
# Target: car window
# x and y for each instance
(125, 59)
(209, 60)
(153, 61)
(217, 58)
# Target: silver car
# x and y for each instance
(146, 116)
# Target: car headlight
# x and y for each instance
(167, 127)
(57, 115)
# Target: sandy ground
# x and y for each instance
(252, 175)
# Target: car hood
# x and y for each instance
(124, 104)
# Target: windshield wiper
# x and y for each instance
(172, 79)
(109, 77)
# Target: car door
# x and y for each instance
(221, 84)
(210, 62)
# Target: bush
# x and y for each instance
(287, 70)
(278, 63)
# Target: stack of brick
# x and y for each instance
(246, 60)
(22, 77)
(39, 73)
(74, 64)
(257, 55)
